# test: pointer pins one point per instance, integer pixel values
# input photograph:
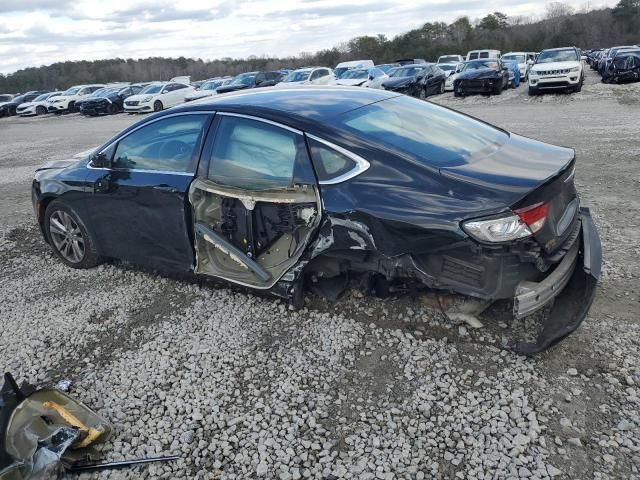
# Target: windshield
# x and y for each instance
(405, 71)
(550, 56)
(517, 58)
(446, 67)
(151, 89)
(355, 74)
(448, 58)
(5, 98)
(480, 64)
(71, 91)
(19, 99)
(339, 71)
(425, 131)
(243, 79)
(385, 68)
(211, 85)
(39, 98)
(298, 76)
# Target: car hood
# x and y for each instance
(352, 82)
(515, 168)
(139, 97)
(478, 74)
(27, 104)
(543, 67)
(231, 88)
(199, 94)
(67, 162)
(397, 82)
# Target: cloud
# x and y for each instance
(49, 31)
(10, 6)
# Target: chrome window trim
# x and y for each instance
(362, 165)
(259, 119)
(117, 139)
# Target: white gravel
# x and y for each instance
(241, 386)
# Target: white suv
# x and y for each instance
(68, 99)
(557, 69)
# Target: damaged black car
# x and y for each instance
(624, 67)
(489, 77)
(280, 190)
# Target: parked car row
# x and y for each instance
(619, 64)
(484, 71)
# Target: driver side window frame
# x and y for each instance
(110, 149)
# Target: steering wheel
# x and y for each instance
(174, 150)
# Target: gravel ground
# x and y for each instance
(243, 387)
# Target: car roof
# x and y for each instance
(317, 104)
(558, 48)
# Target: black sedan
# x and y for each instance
(8, 108)
(109, 102)
(252, 80)
(420, 80)
(487, 76)
(284, 189)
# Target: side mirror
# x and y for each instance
(165, 91)
(100, 160)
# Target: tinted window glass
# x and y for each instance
(252, 154)
(166, 145)
(316, 74)
(433, 134)
(329, 163)
(473, 56)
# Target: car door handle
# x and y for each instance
(165, 188)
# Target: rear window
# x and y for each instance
(434, 135)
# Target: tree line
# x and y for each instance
(560, 26)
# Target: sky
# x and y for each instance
(41, 32)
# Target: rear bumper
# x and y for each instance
(571, 288)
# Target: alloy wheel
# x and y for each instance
(66, 236)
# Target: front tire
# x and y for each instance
(40, 110)
(157, 106)
(441, 91)
(578, 87)
(458, 91)
(423, 94)
(533, 91)
(68, 236)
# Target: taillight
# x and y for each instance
(534, 215)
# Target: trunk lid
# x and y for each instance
(527, 172)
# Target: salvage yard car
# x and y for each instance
(481, 76)
(10, 107)
(157, 96)
(66, 101)
(110, 101)
(38, 106)
(557, 69)
(624, 67)
(281, 189)
(309, 76)
(419, 80)
(252, 80)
